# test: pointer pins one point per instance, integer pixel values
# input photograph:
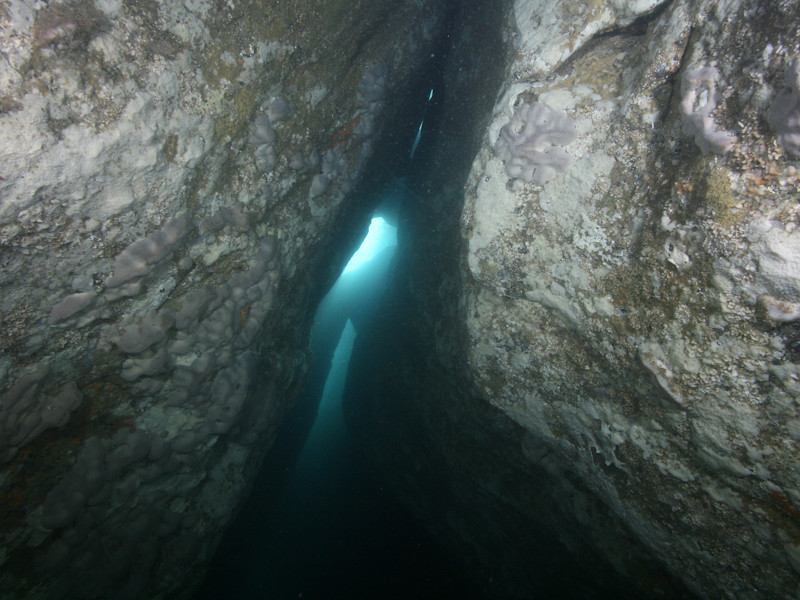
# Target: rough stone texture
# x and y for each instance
(523, 522)
(599, 379)
(607, 363)
(160, 261)
(625, 313)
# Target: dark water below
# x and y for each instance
(324, 528)
(318, 524)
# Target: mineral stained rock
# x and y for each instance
(160, 260)
(614, 311)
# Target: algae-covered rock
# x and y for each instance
(637, 312)
(157, 253)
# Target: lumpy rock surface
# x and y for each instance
(637, 312)
(159, 261)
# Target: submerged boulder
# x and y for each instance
(159, 254)
(614, 311)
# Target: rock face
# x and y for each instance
(162, 249)
(617, 366)
(625, 311)
(588, 377)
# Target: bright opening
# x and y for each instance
(327, 436)
(381, 235)
(421, 123)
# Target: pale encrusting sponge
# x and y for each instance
(698, 101)
(529, 143)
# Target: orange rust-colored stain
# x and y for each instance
(342, 137)
(785, 504)
(11, 500)
(683, 188)
(102, 386)
(243, 314)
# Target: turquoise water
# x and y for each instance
(318, 524)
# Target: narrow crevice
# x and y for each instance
(637, 28)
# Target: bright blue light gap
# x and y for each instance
(381, 235)
(328, 432)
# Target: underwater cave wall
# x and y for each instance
(609, 350)
(176, 193)
(490, 492)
